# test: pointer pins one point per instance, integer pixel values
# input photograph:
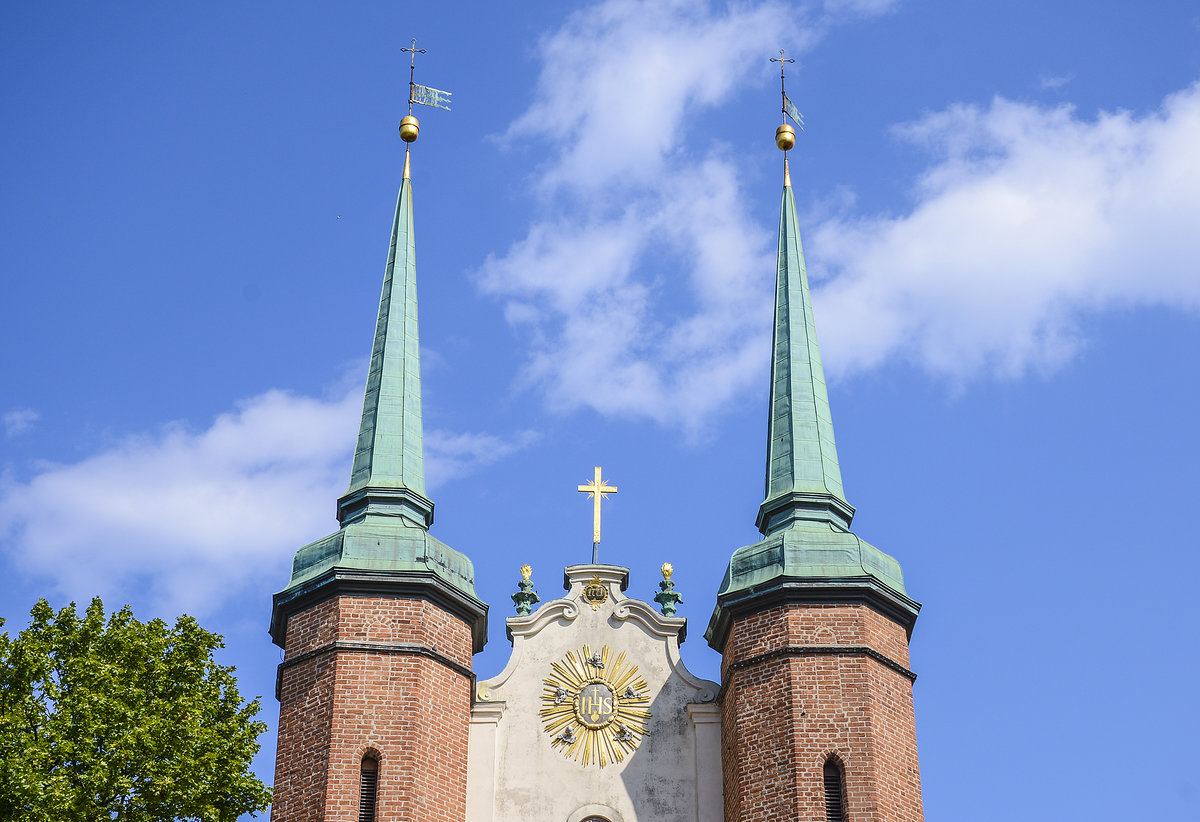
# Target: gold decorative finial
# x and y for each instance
(406, 163)
(526, 571)
(787, 175)
(785, 137)
(409, 129)
(599, 490)
(668, 598)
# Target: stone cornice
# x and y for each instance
(398, 584)
(622, 608)
(815, 650)
(552, 611)
(651, 619)
(609, 575)
(348, 646)
(850, 591)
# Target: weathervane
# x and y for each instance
(785, 135)
(599, 490)
(425, 95)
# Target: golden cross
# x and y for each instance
(598, 489)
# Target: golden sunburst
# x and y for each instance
(594, 706)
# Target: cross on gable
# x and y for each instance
(598, 489)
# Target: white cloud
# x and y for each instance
(642, 288)
(449, 455)
(596, 338)
(619, 77)
(1055, 81)
(1028, 220)
(864, 8)
(186, 519)
(18, 421)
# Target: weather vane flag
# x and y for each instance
(417, 93)
(785, 135)
(426, 96)
(789, 108)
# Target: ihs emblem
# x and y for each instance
(594, 593)
(594, 706)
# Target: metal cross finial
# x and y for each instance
(789, 108)
(780, 60)
(598, 489)
(412, 66)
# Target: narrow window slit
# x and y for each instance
(834, 809)
(368, 786)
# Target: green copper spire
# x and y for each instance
(803, 478)
(808, 553)
(383, 545)
(389, 465)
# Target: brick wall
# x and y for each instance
(783, 716)
(411, 711)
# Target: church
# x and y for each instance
(595, 718)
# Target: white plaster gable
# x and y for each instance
(516, 773)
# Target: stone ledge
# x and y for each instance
(864, 590)
(815, 650)
(350, 646)
(393, 584)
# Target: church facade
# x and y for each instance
(382, 717)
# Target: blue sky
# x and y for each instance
(999, 203)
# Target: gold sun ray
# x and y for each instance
(595, 706)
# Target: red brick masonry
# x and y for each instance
(806, 681)
(397, 685)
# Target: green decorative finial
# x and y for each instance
(666, 597)
(803, 480)
(525, 598)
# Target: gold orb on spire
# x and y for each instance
(785, 137)
(409, 128)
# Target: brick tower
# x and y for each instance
(380, 620)
(812, 622)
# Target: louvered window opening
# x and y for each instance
(834, 812)
(368, 786)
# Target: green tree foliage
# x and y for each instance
(115, 719)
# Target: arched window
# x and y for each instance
(835, 810)
(368, 786)
(594, 812)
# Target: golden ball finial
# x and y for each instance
(409, 128)
(526, 572)
(785, 137)
(667, 570)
